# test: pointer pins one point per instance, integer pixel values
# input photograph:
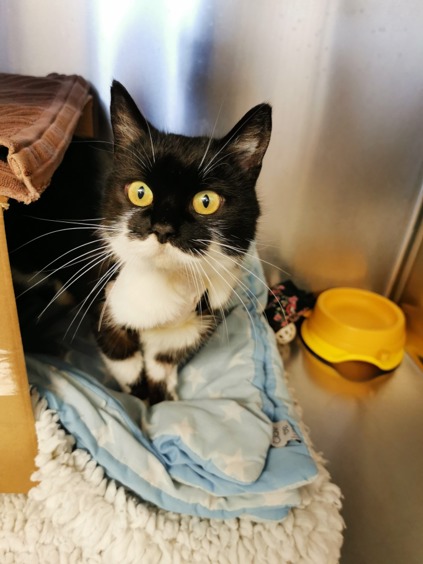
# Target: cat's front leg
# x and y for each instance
(121, 353)
(126, 372)
(160, 378)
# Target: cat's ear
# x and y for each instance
(128, 123)
(250, 137)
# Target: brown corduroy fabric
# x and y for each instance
(38, 116)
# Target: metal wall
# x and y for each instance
(341, 179)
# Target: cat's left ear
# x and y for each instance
(250, 137)
(128, 123)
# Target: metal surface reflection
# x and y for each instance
(368, 430)
(339, 187)
(341, 178)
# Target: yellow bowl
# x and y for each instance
(351, 324)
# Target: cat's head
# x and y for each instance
(173, 196)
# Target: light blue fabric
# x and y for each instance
(208, 454)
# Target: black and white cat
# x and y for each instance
(179, 213)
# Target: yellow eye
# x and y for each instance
(140, 194)
(207, 202)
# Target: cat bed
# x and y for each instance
(219, 479)
(209, 454)
(76, 514)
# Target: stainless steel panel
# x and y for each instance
(410, 291)
(341, 178)
(370, 434)
(410, 282)
(339, 186)
(413, 291)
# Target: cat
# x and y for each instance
(179, 214)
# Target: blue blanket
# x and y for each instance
(230, 446)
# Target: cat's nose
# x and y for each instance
(163, 231)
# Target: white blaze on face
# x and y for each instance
(160, 284)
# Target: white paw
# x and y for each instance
(126, 372)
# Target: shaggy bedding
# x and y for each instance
(75, 514)
(225, 474)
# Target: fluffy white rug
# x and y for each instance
(76, 515)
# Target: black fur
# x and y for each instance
(176, 168)
(175, 176)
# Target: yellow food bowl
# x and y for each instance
(352, 324)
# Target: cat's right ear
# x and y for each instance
(128, 123)
(247, 142)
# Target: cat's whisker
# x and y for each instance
(190, 274)
(196, 278)
(75, 260)
(214, 165)
(254, 276)
(143, 160)
(202, 274)
(201, 280)
(98, 251)
(151, 141)
(238, 281)
(223, 147)
(205, 154)
(239, 251)
(147, 163)
(93, 263)
(193, 276)
(265, 244)
(198, 265)
(211, 136)
(51, 233)
(91, 142)
(135, 157)
(103, 309)
(236, 294)
(93, 254)
(101, 284)
(85, 223)
(82, 222)
(79, 223)
(101, 316)
(221, 309)
(232, 275)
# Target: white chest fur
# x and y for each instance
(157, 286)
(144, 297)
